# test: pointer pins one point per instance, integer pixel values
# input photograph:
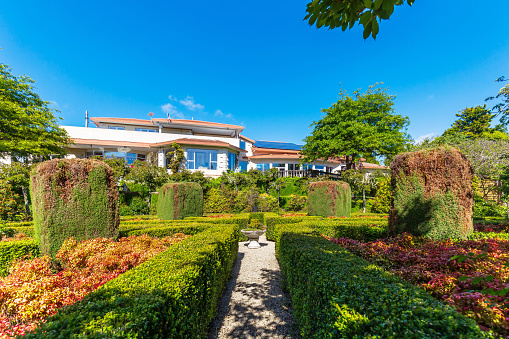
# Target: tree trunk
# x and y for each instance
(363, 200)
(25, 197)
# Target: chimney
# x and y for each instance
(86, 119)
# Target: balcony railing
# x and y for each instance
(309, 173)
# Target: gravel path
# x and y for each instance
(254, 304)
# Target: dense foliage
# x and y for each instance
(329, 198)
(28, 126)
(172, 295)
(179, 200)
(16, 249)
(73, 198)
(340, 295)
(345, 14)
(433, 194)
(363, 125)
(32, 291)
(427, 263)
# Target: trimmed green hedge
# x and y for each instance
(488, 235)
(12, 250)
(257, 215)
(26, 230)
(273, 220)
(173, 295)
(73, 198)
(242, 220)
(179, 200)
(336, 294)
(329, 198)
(362, 229)
(164, 231)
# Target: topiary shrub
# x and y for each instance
(179, 200)
(433, 194)
(296, 203)
(73, 198)
(329, 198)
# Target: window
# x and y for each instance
(280, 167)
(141, 157)
(201, 159)
(319, 167)
(128, 157)
(145, 130)
(263, 167)
(307, 167)
(232, 161)
(243, 165)
(242, 144)
(121, 128)
(94, 153)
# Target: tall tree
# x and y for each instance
(28, 125)
(346, 13)
(501, 109)
(475, 122)
(363, 125)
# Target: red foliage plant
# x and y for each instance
(32, 291)
(427, 263)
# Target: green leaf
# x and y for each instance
(463, 278)
(368, 3)
(477, 280)
(377, 4)
(488, 278)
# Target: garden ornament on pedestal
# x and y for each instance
(253, 237)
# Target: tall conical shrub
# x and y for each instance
(329, 198)
(73, 198)
(433, 194)
(179, 200)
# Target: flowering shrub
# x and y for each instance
(32, 291)
(427, 263)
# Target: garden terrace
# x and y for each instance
(173, 294)
(338, 294)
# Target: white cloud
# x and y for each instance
(219, 113)
(54, 103)
(191, 105)
(172, 98)
(172, 111)
(425, 136)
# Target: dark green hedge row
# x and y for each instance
(26, 230)
(362, 229)
(164, 231)
(12, 250)
(273, 220)
(173, 295)
(241, 220)
(336, 294)
(136, 217)
(20, 224)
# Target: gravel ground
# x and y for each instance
(254, 304)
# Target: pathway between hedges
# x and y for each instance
(254, 305)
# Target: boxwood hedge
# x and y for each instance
(336, 294)
(173, 295)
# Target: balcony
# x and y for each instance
(309, 173)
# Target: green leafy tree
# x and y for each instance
(28, 125)
(474, 122)
(176, 156)
(501, 109)
(346, 13)
(363, 125)
(146, 174)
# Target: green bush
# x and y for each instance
(153, 203)
(179, 200)
(73, 198)
(336, 294)
(485, 208)
(218, 201)
(257, 215)
(165, 231)
(12, 250)
(266, 203)
(362, 229)
(296, 203)
(433, 194)
(173, 295)
(329, 198)
(383, 196)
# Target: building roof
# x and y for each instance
(96, 142)
(144, 122)
(277, 145)
(197, 142)
(198, 123)
(246, 138)
(369, 165)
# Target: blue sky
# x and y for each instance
(255, 63)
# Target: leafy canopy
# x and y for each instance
(475, 122)
(27, 123)
(363, 125)
(345, 13)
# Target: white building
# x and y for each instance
(208, 146)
